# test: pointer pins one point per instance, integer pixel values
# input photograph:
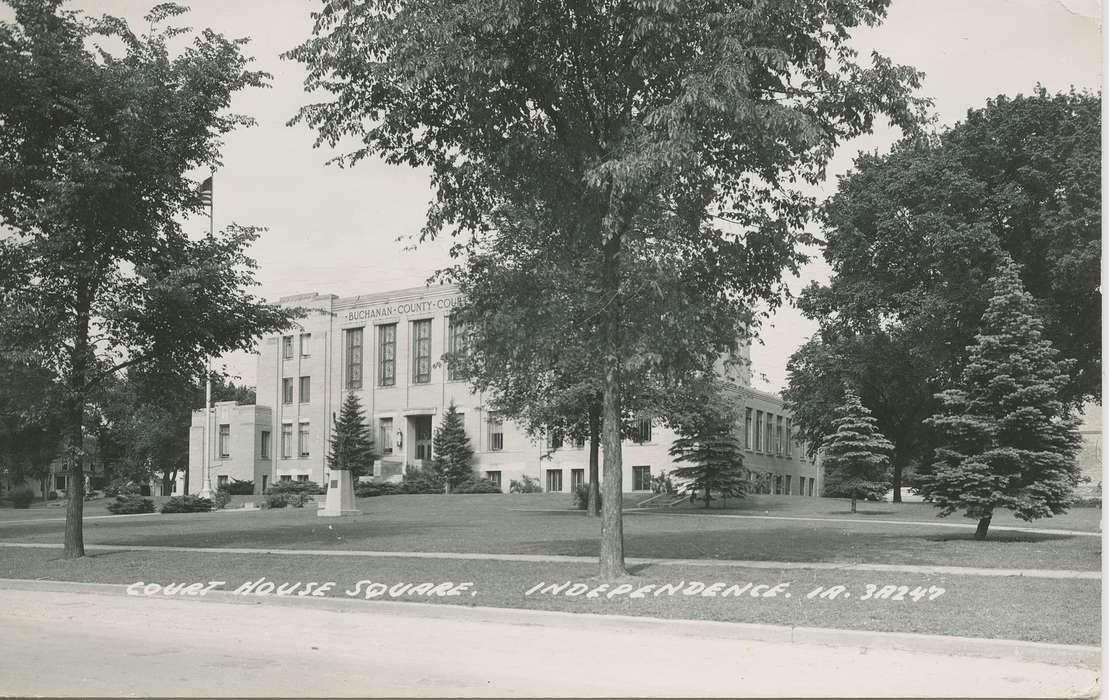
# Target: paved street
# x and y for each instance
(82, 644)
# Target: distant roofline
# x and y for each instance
(384, 294)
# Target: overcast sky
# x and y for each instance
(335, 231)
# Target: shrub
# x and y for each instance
(286, 499)
(129, 504)
(122, 487)
(476, 486)
(298, 487)
(386, 488)
(21, 496)
(422, 481)
(581, 497)
(221, 498)
(239, 488)
(526, 484)
(52, 496)
(187, 504)
(1087, 502)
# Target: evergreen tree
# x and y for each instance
(453, 453)
(716, 464)
(856, 459)
(704, 416)
(1008, 439)
(352, 447)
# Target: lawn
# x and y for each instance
(543, 524)
(1044, 610)
(813, 530)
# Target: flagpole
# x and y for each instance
(206, 487)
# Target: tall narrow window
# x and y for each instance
(577, 478)
(789, 437)
(287, 347)
(642, 431)
(224, 440)
(286, 440)
(812, 483)
(496, 432)
(305, 344)
(456, 346)
(554, 480)
(641, 478)
(302, 439)
(747, 430)
(779, 438)
(758, 431)
(789, 484)
(554, 438)
(305, 389)
(287, 390)
(385, 431)
(769, 433)
(265, 447)
(387, 355)
(352, 358)
(494, 477)
(421, 351)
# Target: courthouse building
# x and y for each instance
(386, 349)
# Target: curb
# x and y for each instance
(1088, 657)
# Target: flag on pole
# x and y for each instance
(205, 192)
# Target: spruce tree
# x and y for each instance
(856, 455)
(1007, 439)
(453, 454)
(352, 447)
(716, 464)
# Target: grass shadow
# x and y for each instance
(1000, 536)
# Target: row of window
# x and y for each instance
(305, 346)
(782, 484)
(770, 434)
(641, 479)
(302, 441)
(305, 390)
(353, 344)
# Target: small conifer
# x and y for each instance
(351, 446)
(453, 453)
(856, 455)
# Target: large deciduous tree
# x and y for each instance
(912, 237)
(1008, 439)
(652, 152)
(95, 152)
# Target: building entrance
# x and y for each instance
(421, 429)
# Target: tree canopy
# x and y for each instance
(96, 155)
(1007, 438)
(652, 152)
(913, 236)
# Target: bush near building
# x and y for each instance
(187, 504)
(21, 496)
(581, 497)
(476, 486)
(291, 493)
(131, 504)
(235, 487)
(526, 484)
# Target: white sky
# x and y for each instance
(335, 231)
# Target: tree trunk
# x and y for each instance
(593, 508)
(898, 470)
(853, 499)
(983, 527)
(74, 428)
(612, 523)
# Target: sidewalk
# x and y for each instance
(116, 644)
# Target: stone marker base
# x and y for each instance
(339, 500)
